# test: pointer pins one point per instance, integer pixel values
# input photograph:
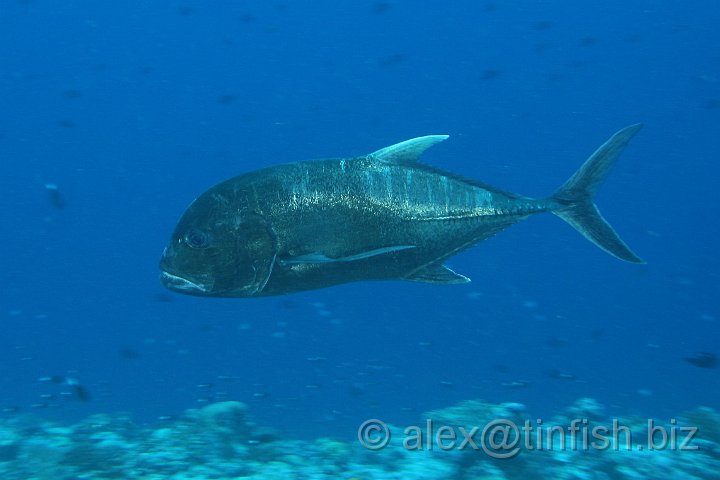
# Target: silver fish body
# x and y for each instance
(383, 216)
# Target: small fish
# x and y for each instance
(316, 359)
(703, 360)
(560, 375)
(381, 216)
(78, 391)
(128, 353)
(56, 199)
(556, 342)
(515, 384)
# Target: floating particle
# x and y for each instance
(711, 103)
(490, 7)
(541, 47)
(597, 334)
(128, 353)
(556, 342)
(288, 304)
(247, 18)
(357, 389)
(588, 41)
(163, 297)
(381, 7)
(226, 99)
(72, 94)
(542, 25)
(490, 74)
(392, 60)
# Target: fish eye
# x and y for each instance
(196, 238)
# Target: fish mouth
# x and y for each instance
(180, 284)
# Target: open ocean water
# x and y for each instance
(114, 116)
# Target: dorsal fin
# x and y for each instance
(408, 151)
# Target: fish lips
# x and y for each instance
(178, 282)
(183, 285)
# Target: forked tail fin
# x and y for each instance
(576, 197)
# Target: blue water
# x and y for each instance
(134, 108)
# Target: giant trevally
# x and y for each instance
(382, 216)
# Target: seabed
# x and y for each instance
(220, 441)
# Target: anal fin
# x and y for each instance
(438, 274)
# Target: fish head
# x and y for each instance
(219, 250)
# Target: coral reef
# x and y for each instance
(220, 441)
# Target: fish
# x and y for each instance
(382, 216)
(78, 391)
(703, 360)
(56, 198)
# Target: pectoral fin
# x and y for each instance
(439, 274)
(319, 257)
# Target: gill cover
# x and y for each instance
(258, 247)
